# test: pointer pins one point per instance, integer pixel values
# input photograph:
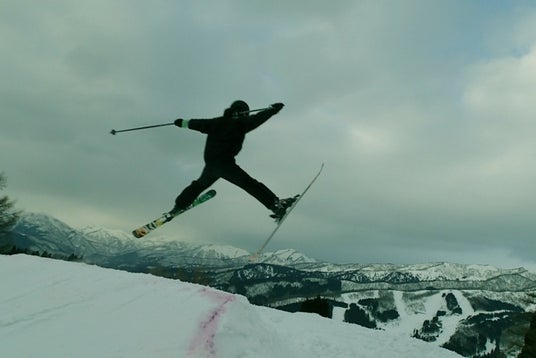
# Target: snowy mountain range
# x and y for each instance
(471, 309)
(107, 247)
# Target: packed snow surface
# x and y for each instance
(52, 308)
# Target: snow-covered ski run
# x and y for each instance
(52, 308)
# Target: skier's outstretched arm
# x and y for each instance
(200, 125)
(261, 117)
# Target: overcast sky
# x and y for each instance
(422, 111)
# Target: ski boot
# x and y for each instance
(174, 212)
(280, 207)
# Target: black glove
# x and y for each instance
(178, 122)
(277, 107)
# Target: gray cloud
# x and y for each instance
(422, 113)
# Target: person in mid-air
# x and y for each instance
(225, 136)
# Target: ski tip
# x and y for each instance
(138, 233)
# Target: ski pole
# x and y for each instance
(255, 110)
(113, 131)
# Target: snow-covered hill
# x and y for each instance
(472, 309)
(52, 308)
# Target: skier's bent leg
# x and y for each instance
(236, 175)
(191, 192)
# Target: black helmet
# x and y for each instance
(236, 109)
(239, 106)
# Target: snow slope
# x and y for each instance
(52, 308)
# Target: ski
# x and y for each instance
(299, 197)
(145, 229)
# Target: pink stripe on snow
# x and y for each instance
(202, 344)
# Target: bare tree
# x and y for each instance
(8, 214)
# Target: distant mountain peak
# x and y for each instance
(286, 256)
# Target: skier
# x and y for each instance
(225, 136)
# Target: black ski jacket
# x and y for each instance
(225, 135)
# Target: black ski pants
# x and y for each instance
(231, 172)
